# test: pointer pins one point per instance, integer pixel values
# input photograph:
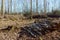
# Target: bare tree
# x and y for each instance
(9, 6)
(48, 6)
(36, 6)
(31, 8)
(55, 4)
(2, 7)
(15, 6)
(45, 6)
(24, 6)
(59, 4)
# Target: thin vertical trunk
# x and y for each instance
(52, 6)
(24, 6)
(48, 6)
(31, 8)
(14, 6)
(9, 6)
(45, 6)
(55, 4)
(5, 9)
(2, 8)
(59, 4)
(36, 6)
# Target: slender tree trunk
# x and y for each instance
(45, 6)
(14, 6)
(48, 6)
(31, 8)
(59, 4)
(2, 8)
(9, 6)
(55, 4)
(36, 6)
(24, 6)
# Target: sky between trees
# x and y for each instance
(51, 4)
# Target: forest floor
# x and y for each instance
(19, 21)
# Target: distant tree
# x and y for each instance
(31, 7)
(45, 6)
(2, 7)
(48, 6)
(59, 4)
(36, 6)
(14, 6)
(9, 6)
(24, 6)
(54, 3)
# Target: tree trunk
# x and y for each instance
(48, 6)
(45, 6)
(24, 6)
(31, 8)
(2, 8)
(14, 6)
(9, 6)
(36, 6)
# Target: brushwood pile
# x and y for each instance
(38, 29)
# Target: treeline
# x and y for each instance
(3, 7)
(30, 11)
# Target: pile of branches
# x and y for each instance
(38, 29)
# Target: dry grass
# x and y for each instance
(13, 20)
(17, 21)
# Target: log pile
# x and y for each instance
(38, 29)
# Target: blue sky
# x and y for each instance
(19, 5)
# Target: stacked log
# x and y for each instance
(38, 29)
